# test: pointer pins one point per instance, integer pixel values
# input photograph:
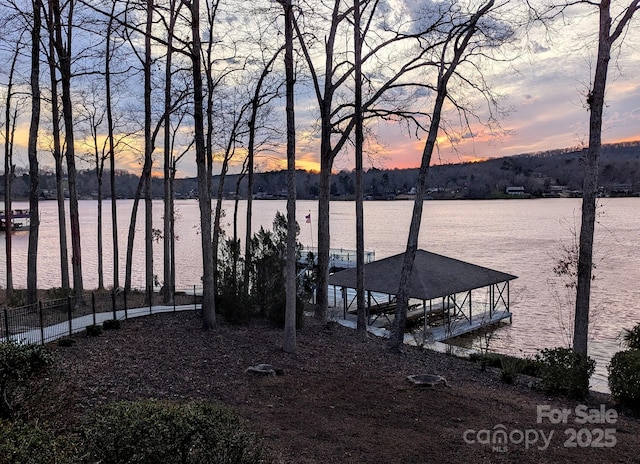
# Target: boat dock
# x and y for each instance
(432, 322)
(447, 297)
(19, 219)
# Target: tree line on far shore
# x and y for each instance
(541, 174)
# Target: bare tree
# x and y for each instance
(168, 238)
(234, 133)
(608, 34)
(289, 344)
(34, 181)
(62, 41)
(150, 134)
(466, 36)
(361, 325)
(56, 149)
(336, 114)
(94, 116)
(328, 151)
(11, 116)
(108, 56)
(204, 173)
(260, 98)
(148, 154)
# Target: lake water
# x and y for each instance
(520, 237)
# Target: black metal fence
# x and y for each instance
(48, 320)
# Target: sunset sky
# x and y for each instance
(543, 90)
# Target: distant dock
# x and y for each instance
(339, 258)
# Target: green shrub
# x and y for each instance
(624, 378)
(631, 337)
(111, 324)
(511, 366)
(19, 365)
(487, 360)
(66, 342)
(94, 330)
(236, 309)
(150, 432)
(18, 298)
(268, 265)
(58, 293)
(564, 371)
(22, 443)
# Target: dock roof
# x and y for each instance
(433, 276)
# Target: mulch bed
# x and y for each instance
(342, 399)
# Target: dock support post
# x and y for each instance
(344, 302)
(424, 312)
(490, 301)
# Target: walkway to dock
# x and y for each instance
(67, 328)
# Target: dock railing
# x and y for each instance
(338, 257)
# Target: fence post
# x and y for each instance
(69, 315)
(149, 296)
(173, 297)
(6, 323)
(113, 303)
(93, 307)
(41, 322)
(195, 298)
(124, 296)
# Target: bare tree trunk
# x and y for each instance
(168, 239)
(10, 126)
(172, 232)
(247, 236)
(99, 238)
(57, 152)
(9, 174)
(112, 154)
(63, 49)
(204, 176)
(324, 197)
(361, 326)
(327, 155)
(290, 271)
(131, 235)
(596, 106)
(459, 40)
(148, 151)
(34, 190)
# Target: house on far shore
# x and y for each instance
(516, 191)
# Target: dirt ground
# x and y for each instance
(341, 399)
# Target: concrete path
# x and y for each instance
(66, 328)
